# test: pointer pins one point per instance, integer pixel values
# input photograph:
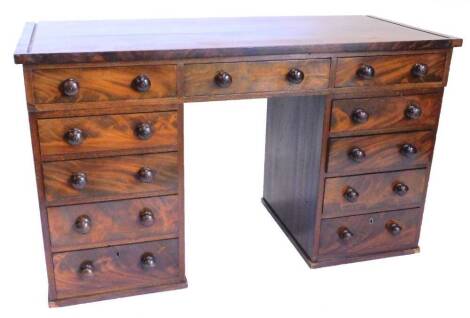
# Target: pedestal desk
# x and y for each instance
(352, 114)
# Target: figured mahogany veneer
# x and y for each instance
(381, 152)
(249, 77)
(103, 83)
(375, 192)
(386, 114)
(353, 109)
(157, 131)
(114, 222)
(115, 268)
(110, 177)
(370, 233)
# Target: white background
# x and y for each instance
(239, 263)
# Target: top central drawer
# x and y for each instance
(89, 84)
(252, 77)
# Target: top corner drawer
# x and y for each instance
(390, 70)
(256, 77)
(88, 84)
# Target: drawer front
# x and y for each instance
(389, 70)
(373, 192)
(103, 83)
(114, 222)
(109, 132)
(380, 152)
(116, 268)
(417, 112)
(252, 77)
(100, 179)
(369, 233)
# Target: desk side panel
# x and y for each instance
(292, 165)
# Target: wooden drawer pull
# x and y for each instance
(141, 83)
(74, 136)
(83, 224)
(78, 180)
(344, 233)
(365, 71)
(295, 76)
(351, 195)
(413, 111)
(394, 228)
(359, 116)
(144, 131)
(148, 260)
(400, 188)
(145, 175)
(408, 150)
(146, 217)
(223, 79)
(70, 87)
(419, 70)
(357, 154)
(86, 269)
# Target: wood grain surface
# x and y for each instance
(108, 177)
(382, 152)
(390, 69)
(116, 268)
(108, 133)
(375, 193)
(255, 76)
(370, 234)
(114, 222)
(386, 114)
(103, 83)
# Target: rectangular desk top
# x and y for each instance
(114, 41)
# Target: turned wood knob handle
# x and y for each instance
(83, 224)
(144, 131)
(357, 154)
(344, 233)
(141, 83)
(365, 71)
(408, 150)
(74, 136)
(295, 76)
(146, 217)
(413, 111)
(145, 175)
(419, 70)
(394, 228)
(86, 269)
(70, 87)
(223, 79)
(78, 180)
(400, 188)
(359, 116)
(351, 195)
(148, 260)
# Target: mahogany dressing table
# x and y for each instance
(352, 114)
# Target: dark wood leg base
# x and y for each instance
(116, 294)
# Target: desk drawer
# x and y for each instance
(115, 222)
(88, 84)
(369, 233)
(373, 192)
(389, 70)
(385, 114)
(108, 132)
(380, 152)
(252, 77)
(105, 178)
(116, 268)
